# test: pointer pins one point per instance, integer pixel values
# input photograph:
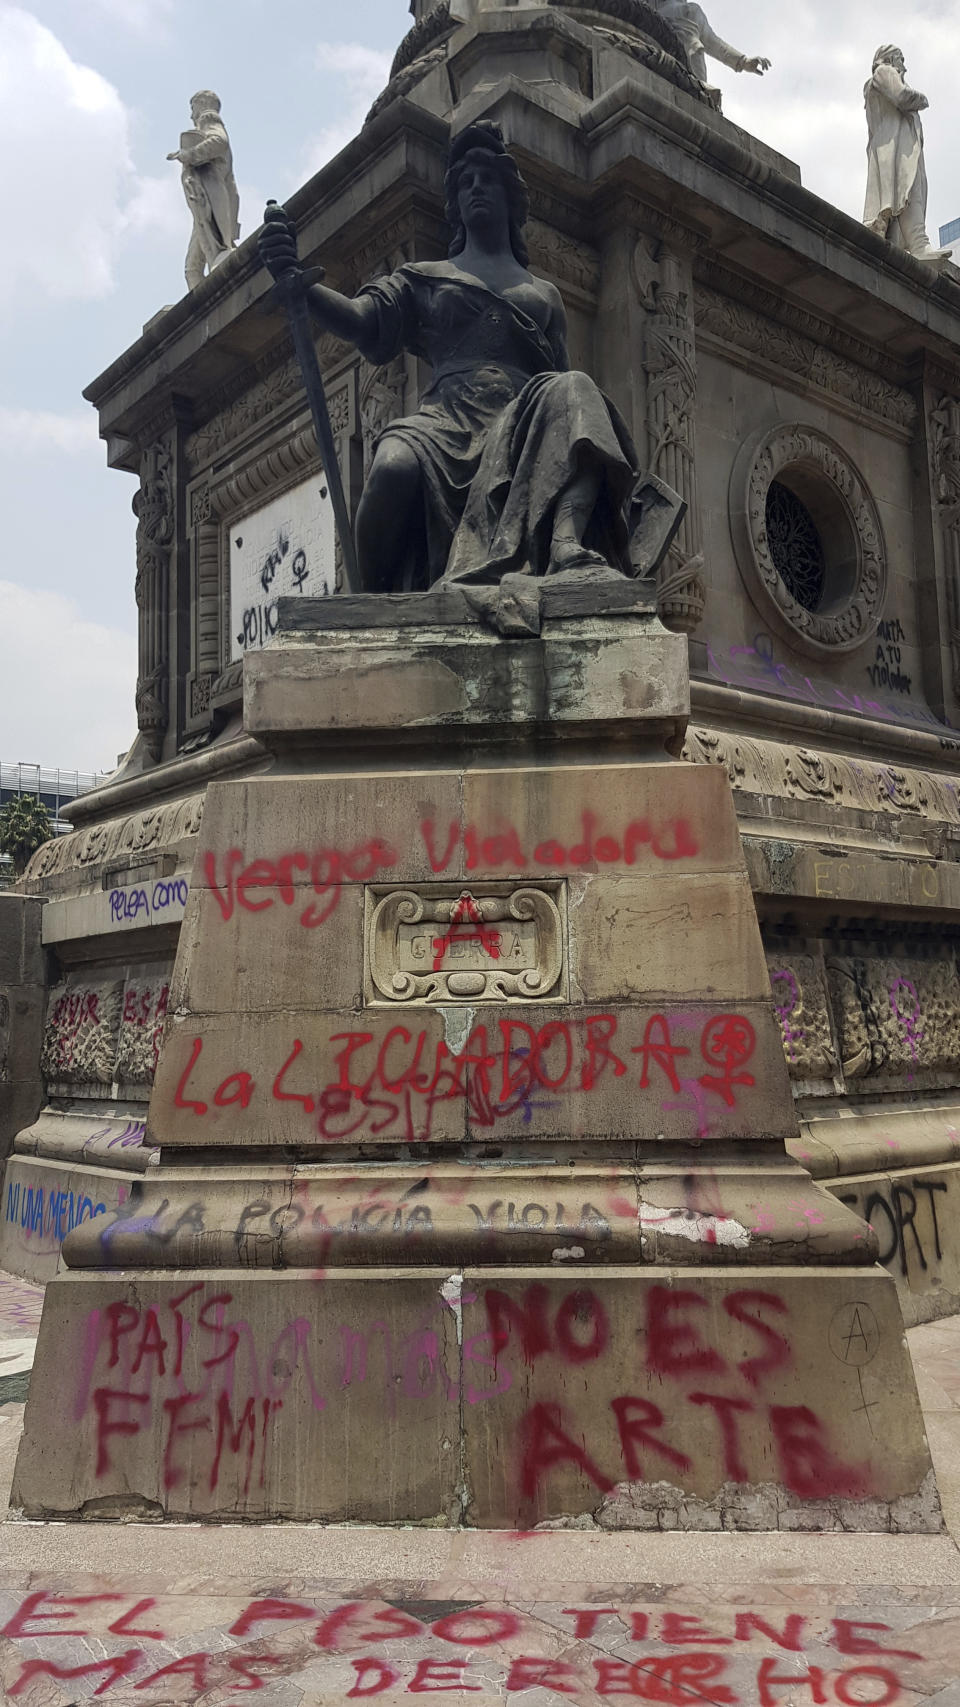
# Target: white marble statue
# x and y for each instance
(209, 186)
(693, 27)
(896, 202)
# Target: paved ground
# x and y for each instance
(307, 1616)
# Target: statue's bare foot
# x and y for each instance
(569, 554)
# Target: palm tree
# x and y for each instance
(25, 824)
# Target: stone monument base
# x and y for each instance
(736, 1398)
(473, 1203)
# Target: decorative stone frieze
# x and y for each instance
(829, 486)
(145, 833)
(235, 413)
(563, 258)
(792, 338)
(800, 773)
(800, 998)
(105, 1032)
(895, 1016)
(144, 1009)
(892, 1016)
(228, 687)
(81, 1032)
(656, 34)
(408, 78)
(200, 696)
(388, 249)
(648, 53)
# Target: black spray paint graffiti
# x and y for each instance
(900, 1214)
(885, 671)
(260, 621)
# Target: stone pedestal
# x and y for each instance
(22, 985)
(473, 1203)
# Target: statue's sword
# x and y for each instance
(298, 315)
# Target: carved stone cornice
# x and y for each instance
(408, 77)
(234, 409)
(624, 209)
(860, 784)
(175, 411)
(762, 324)
(269, 474)
(437, 26)
(939, 376)
(649, 54)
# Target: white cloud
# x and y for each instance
(29, 431)
(68, 188)
(142, 16)
(361, 72)
(64, 163)
(157, 206)
(67, 684)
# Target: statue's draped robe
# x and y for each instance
(501, 431)
(894, 147)
(694, 29)
(209, 182)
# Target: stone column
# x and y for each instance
(154, 508)
(938, 515)
(620, 319)
(663, 276)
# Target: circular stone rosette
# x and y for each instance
(822, 477)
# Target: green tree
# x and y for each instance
(25, 824)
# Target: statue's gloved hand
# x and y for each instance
(277, 244)
(758, 65)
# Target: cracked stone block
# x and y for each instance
(865, 1515)
(918, 1512)
(811, 1517)
(750, 1508)
(627, 1517)
(695, 1514)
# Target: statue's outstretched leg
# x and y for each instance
(387, 512)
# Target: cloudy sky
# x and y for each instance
(94, 93)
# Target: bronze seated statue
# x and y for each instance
(512, 463)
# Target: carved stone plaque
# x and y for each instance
(443, 943)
